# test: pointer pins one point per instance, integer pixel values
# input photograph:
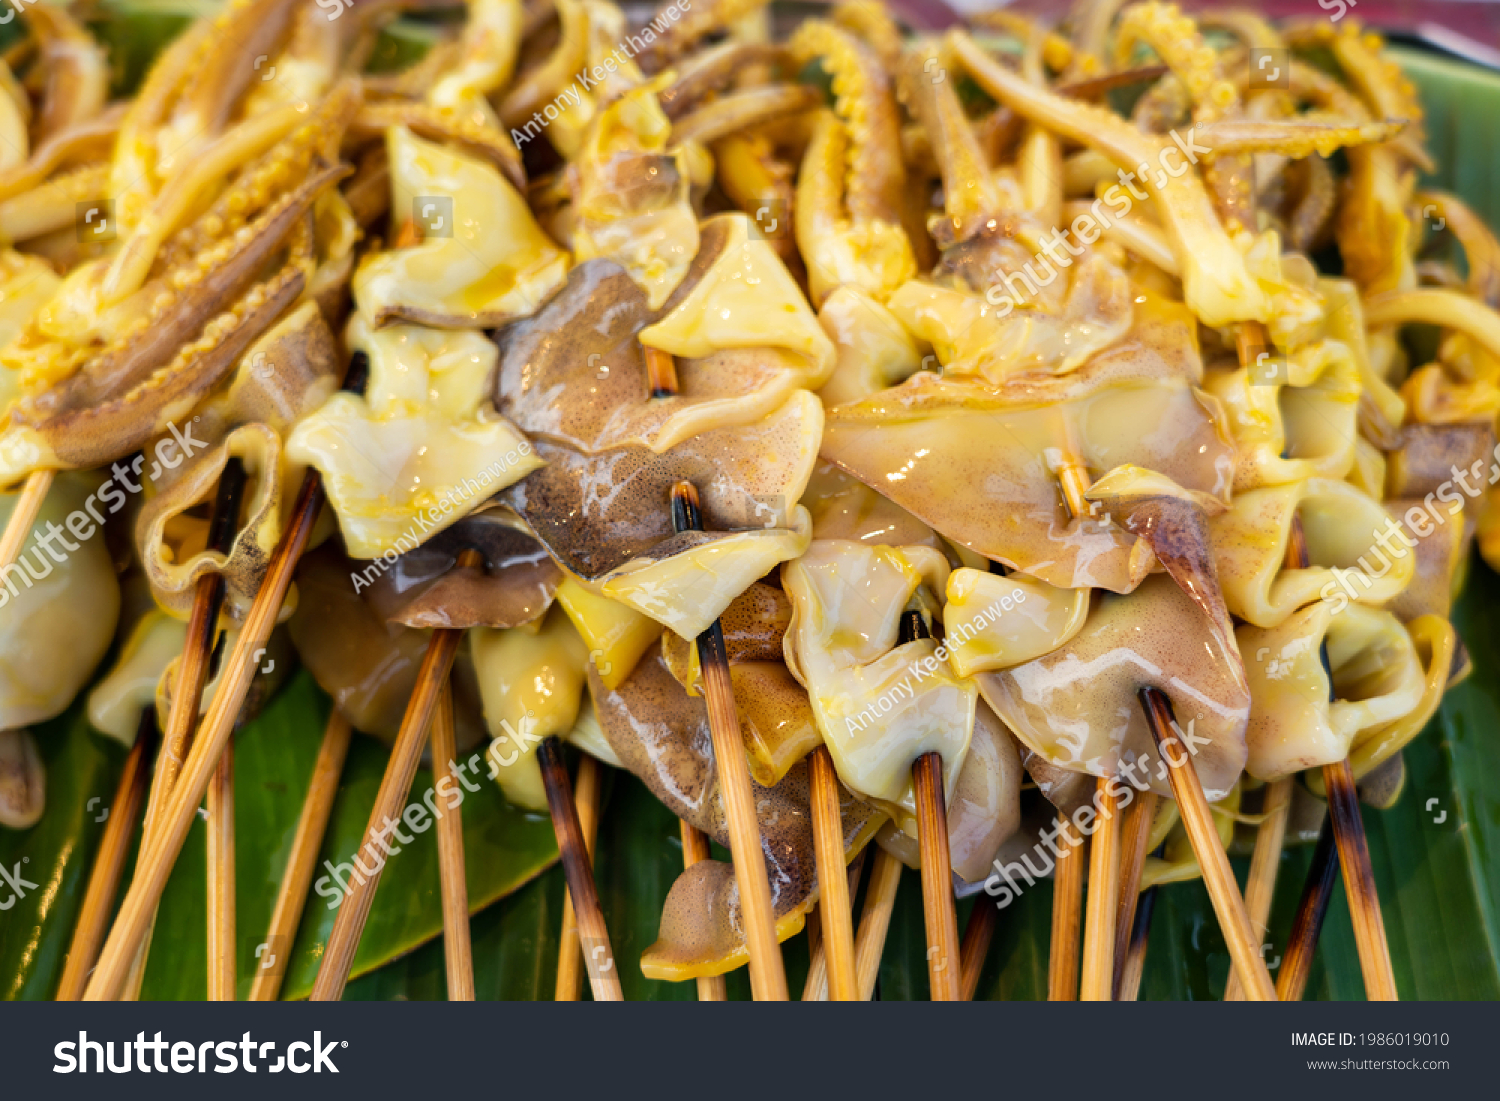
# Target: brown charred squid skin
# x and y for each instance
(91, 436)
(221, 68)
(281, 169)
(199, 291)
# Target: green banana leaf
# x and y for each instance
(1436, 853)
(503, 849)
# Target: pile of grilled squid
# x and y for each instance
(1059, 338)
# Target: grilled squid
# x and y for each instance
(1299, 720)
(1075, 707)
(879, 705)
(849, 191)
(481, 260)
(421, 448)
(660, 734)
(1356, 550)
(740, 428)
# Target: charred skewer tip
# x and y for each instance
(767, 974)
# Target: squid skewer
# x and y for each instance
(767, 974)
(131, 924)
(943, 953)
(77, 85)
(1105, 874)
(1218, 877)
(1063, 966)
(1094, 128)
(598, 956)
(406, 754)
(1260, 887)
(1353, 857)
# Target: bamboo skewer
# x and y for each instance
(943, 955)
(661, 372)
(395, 786)
(222, 976)
(182, 718)
(814, 930)
(1359, 883)
(1353, 846)
(598, 955)
(303, 861)
(458, 955)
(569, 953)
(767, 974)
(151, 874)
(711, 988)
(221, 923)
(1136, 836)
(1260, 887)
(1312, 908)
(834, 911)
(1103, 899)
(23, 516)
(1218, 877)
(815, 989)
(1067, 883)
(1129, 984)
(978, 933)
(109, 862)
(816, 986)
(875, 920)
(1067, 901)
